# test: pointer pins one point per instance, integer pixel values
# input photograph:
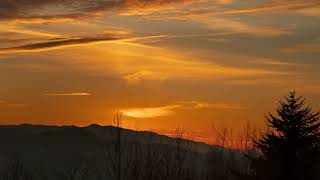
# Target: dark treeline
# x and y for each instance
(288, 149)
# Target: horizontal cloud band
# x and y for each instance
(152, 112)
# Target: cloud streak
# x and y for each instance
(217, 22)
(76, 41)
(29, 32)
(134, 63)
(272, 6)
(206, 105)
(69, 94)
(60, 43)
(144, 75)
(153, 112)
(313, 47)
(273, 62)
(149, 112)
(264, 7)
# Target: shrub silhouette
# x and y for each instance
(290, 148)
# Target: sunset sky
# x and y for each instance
(162, 63)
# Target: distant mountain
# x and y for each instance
(58, 134)
(54, 149)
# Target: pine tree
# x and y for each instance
(290, 147)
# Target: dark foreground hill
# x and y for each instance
(95, 152)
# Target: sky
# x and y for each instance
(163, 64)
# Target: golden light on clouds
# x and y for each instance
(149, 112)
(28, 32)
(144, 75)
(153, 112)
(69, 94)
(65, 42)
(206, 105)
(135, 64)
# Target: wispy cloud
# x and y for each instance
(206, 105)
(276, 6)
(281, 6)
(76, 41)
(144, 75)
(160, 111)
(150, 112)
(238, 26)
(312, 11)
(255, 82)
(35, 11)
(69, 94)
(70, 10)
(273, 62)
(60, 43)
(17, 30)
(313, 47)
(217, 17)
(134, 63)
(218, 22)
(28, 11)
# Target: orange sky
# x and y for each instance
(163, 64)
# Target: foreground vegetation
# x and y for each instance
(288, 149)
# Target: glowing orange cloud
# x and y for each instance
(152, 112)
(69, 94)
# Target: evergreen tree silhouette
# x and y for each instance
(290, 147)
